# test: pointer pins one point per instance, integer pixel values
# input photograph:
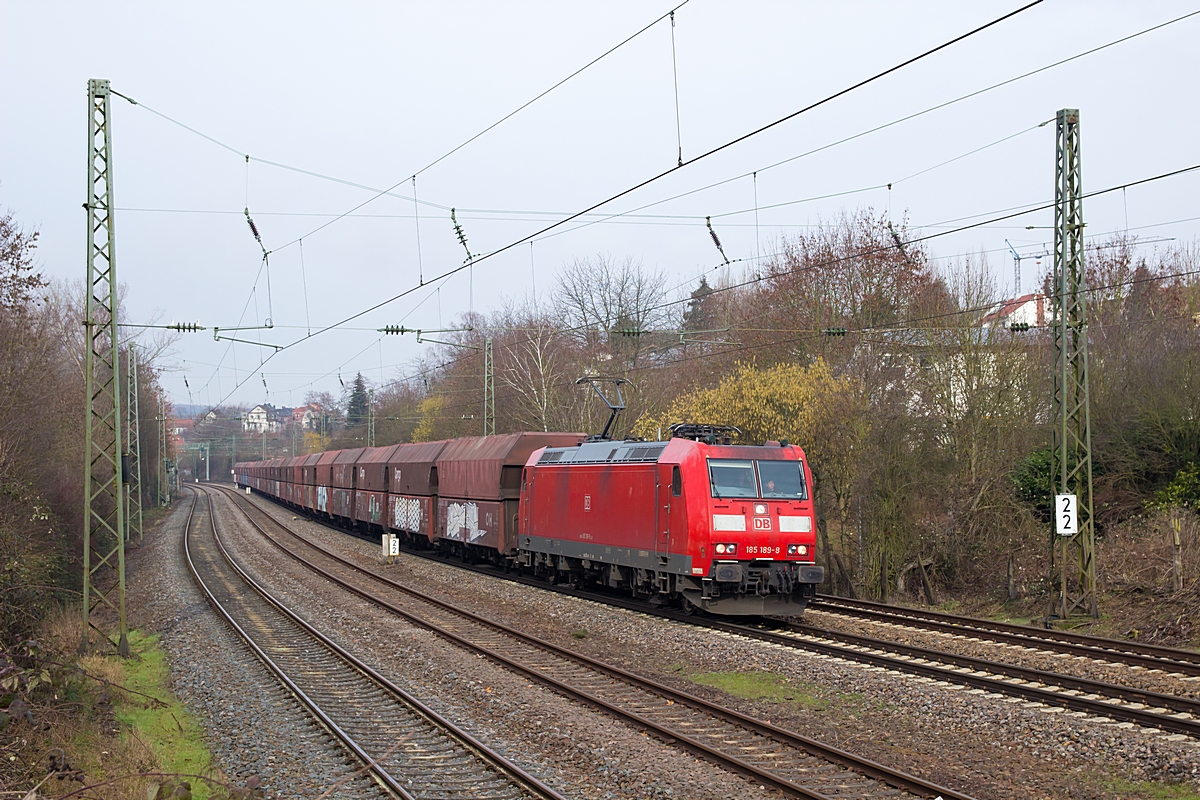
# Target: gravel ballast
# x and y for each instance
(254, 727)
(987, 745)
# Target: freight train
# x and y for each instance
(695, 521)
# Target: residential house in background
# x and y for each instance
(308, 416)
(1029, 309)
(263, 418)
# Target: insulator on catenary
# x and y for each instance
(462, 237)
(253, 227)
(716, 241)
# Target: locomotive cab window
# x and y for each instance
(676, 482)
(782, 479)
(732, 478)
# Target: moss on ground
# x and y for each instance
(1146, 790)
(169, 730)
(763, 686)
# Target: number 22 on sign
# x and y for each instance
(1066, 514)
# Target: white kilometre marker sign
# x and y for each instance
(1066, 514)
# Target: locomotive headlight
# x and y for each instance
(797, 549)
(725, 549)
(720, 549)
(761, 508)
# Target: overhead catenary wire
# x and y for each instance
(304, 284)
(870, 251)
(437, 160)
(506, 117)
(915, 115)
(675, 75)
(812, 333)
(713, 151)
(961, 98)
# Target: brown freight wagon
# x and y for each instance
(413, 487)
(307, 484)
(324, 484)
(479, 487)
(341, 498)
(370, 488)
(288, 472)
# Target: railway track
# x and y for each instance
(771, 756)
(1178, 716)
(408, 749)
(1175, 715)
(1177, 662)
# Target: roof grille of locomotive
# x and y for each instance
(595, 455)
(709, 434)
(642, 454)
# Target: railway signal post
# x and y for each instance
(104, 521)
(1073, 548)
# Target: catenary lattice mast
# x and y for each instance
(1073, 557)
(104, 510)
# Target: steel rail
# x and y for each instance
(861, 647)
(1150, 656)
(468, 742)
(858, 649)
(879, 772)
(389, 784)
(1180, 705)
(879, 658)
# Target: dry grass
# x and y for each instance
(1138, 555)
(1135, 569)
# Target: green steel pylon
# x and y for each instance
(1072, 557)
(489, 389)
(133, 447)
(104, 507)
(164, 472)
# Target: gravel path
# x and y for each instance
(988, 745)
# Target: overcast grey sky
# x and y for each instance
(372, 92)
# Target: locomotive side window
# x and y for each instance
(732, 478)
(782, 479)
(676, 482)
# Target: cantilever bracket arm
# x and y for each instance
(245, 341)
(426, 340)
(266, 327)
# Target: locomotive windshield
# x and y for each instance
(782, 479)
(732, 478)
(766, 479)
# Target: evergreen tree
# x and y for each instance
(696, 316)
(356, 407)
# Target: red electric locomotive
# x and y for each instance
(695, 520)
(726, 528)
